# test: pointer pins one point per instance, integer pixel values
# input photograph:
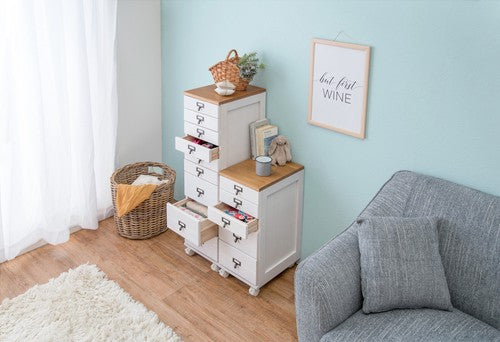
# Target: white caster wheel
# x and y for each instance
(253, 291)
(223, 273)
(214, 268)
(189, 251)
(292, 265)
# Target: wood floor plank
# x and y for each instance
(195, 301)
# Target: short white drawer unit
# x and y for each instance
(221, 121)
(258, 250)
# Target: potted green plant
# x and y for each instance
(249, 65)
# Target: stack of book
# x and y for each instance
(261, 135)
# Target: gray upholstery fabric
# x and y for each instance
(327, 283)
(469, 241)
(412, 325)
(400, 264)
(327, 289)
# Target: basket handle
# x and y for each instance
(230, 52)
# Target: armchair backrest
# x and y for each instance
(469, 235)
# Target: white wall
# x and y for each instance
(139, 81)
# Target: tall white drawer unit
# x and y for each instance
(258, 250)
(223, 122)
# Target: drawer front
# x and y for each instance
(188, 147)
(200, 106)
(248, 245)
(237, 189)
(203, 120)
(201, 191)
(217, 215)
(201, 172)
(209, 248)
(183, 222)
(238, 262)
(201, 132)
(213, 165)
(239, 203)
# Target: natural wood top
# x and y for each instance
(244, 173)
(208, 94)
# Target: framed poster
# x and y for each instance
(338, 86)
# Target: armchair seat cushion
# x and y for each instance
(412, 325)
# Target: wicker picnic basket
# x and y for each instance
(149, 218)
(229, 70)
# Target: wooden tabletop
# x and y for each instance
(244, 173)
(208, 94)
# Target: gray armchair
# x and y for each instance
(328, 289)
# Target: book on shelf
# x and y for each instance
(253, 126)
(264, 135)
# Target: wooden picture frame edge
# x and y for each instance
(365, 48)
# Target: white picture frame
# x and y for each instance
(338, 86)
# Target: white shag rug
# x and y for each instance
(80, 305)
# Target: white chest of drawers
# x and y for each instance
(222, 177)
(222, 121)
(258, 250)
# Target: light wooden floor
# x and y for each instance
(195, 301)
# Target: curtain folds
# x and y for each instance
(58, 118)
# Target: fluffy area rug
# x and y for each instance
(80, 305)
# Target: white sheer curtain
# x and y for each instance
(58, 118)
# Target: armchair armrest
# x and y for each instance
(328, 287)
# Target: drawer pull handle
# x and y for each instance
(200, 118)
(237, 202)
(236, 262)
(200, 192)
(200, 132)
(236, 238)
(199, 161)
(182, 225)
(199, 171)
(238, 189)
(200, 105)
(226, 222)
(191, 149)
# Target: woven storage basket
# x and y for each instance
(149, 218)
(228, 70)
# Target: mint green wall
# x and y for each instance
(434, 96)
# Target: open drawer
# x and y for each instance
(218, 215)
(192, 226)
(189, 147)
